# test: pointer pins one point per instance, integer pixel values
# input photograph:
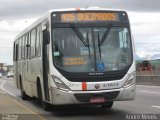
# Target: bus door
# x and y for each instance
(45, 59)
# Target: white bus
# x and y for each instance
(76, 56)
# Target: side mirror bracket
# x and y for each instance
(46, 37)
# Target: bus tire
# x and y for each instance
(24, 96)
(108, 105)
(44, 104)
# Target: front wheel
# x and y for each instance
(108, 105)
(46, 106)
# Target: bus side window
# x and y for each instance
(33, 41)
(29, 45)
(38, 41)
(23, 47)
(14, 52)
(19, 52)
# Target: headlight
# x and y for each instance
(60, 84)
(131, 80)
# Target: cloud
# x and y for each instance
(8, 31)
(145, 26)
(25, 8)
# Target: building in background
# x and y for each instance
(2, 72)
(5, 69)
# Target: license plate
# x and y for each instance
(97, 100)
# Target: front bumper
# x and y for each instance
(59, 97)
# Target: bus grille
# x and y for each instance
(84, 78)
(85, 97)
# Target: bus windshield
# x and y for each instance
(91, 49)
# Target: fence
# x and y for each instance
(153, 80)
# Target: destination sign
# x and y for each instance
(71, 17)
(89, 16)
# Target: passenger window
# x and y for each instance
(22, 48)
(17, 50)
(29, 45)
(25, 46)
(33, 40)
(14, 52)
(38, 41)
(19, 53)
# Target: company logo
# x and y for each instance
(97, 86)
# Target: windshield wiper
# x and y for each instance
(88, 45)
(80, 36)
(99, 45)
(100, 42)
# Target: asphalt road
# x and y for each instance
(147, 102)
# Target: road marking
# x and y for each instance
(26, 108)
(2, 88)
(150, 92)
(2, 84)
(156, 106)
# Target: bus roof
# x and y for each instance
(85, 9)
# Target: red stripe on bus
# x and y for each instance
(84, 86)
(78, 9)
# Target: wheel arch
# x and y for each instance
(39, 88)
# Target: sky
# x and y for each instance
(144, 15)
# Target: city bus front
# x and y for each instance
(92, 53)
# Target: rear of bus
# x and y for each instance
(92, 60)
